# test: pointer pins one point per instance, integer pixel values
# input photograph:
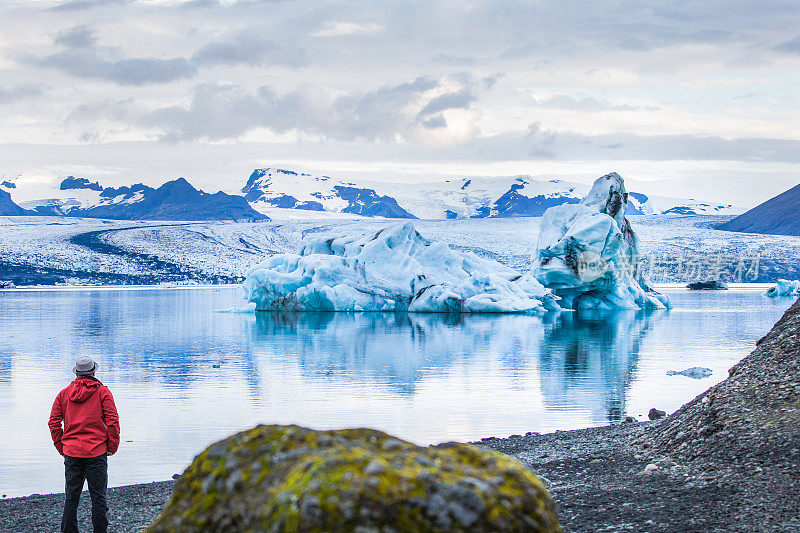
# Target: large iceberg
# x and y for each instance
(587, 252)
(395, 269)
(784, 287)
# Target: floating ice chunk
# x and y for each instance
(395, 269)
(784, 287)
(587, 252)
(695, 372)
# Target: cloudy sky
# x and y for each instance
(683, 98)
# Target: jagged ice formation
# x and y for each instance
(587, 252)
(396, 269)
(784, 288)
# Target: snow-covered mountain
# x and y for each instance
(285, 192)
(287, 189)
(174, 200)
(484, 197)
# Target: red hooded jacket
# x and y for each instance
(91, 423)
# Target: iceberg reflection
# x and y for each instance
(582, 361)
(589, 359)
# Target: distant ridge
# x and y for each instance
(777, 216)
(475, 197)
(175, 200)
(277, 191)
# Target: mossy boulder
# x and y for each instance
(288, 478)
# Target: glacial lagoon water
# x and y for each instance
(185, 373)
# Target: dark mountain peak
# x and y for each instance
(178, 185)
(253, 189)
(174, 200)
(178, 189)
(113, 192)
(71, 182)
(9, 208)
(514, 204)
(367, 202)
(256, 174)
(261, 172)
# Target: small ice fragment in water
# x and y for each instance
(696, 372)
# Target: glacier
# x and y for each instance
(588, 255)
(784, 287)
(394, 269)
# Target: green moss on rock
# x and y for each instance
(288, 478)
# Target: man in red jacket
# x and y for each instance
(89, 435)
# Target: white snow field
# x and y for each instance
(587, 252)
(676, 248)
(454, 197)
(44, 242)
(318, 196)
(394, 269)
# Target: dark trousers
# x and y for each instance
(95, 471)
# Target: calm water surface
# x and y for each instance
(426, 378)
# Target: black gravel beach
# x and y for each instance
(726, 461)
(131, 508)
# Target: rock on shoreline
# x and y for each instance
(297, 479)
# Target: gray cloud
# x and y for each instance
(78, 5)
(82, 58)
(249, 48)
(791, 46)
(228, 111)
(19, 93)
(82, 36)
(489, 81)
(456, 100)
(90, 63)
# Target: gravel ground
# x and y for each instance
(131, 508)
(726, 461)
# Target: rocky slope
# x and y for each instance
(726, 461)
(777, 216)
(8, 207)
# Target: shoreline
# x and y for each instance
(134, 507)
(598, 477)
